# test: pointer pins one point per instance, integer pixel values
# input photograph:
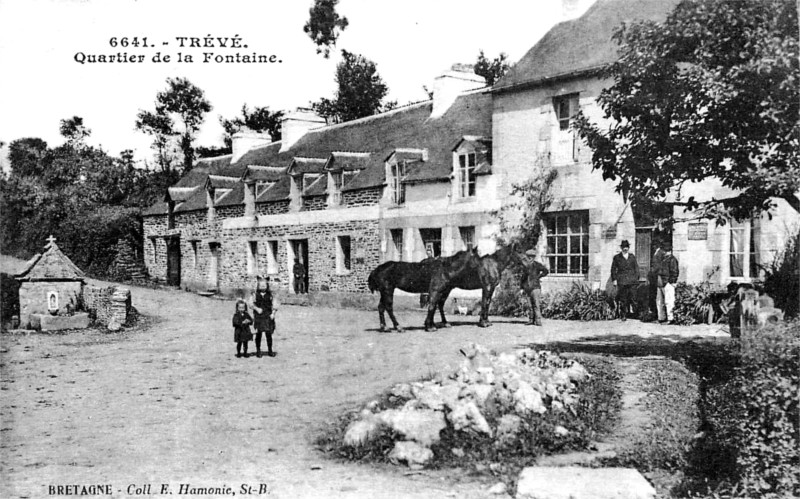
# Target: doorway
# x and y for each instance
(213, 266)
(298, 250)
(653, 229)
(174, 261)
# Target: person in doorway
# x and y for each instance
(299, 272)
(241, 328)
(264, 308)
(667, 278)
(652, 279)
(625, 275)
(532, 285)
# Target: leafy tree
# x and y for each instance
(260, 119)
(159, 126)
(74, 131)
(491, 70)
(324, 25)
(360, 91)
(710, 92)
(181, 101)
(25, 156)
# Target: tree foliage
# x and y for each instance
(183, 102)
(260, 119)
(521, 219)
(711, 92)
(324, 25)
(491, 70)
(78, 193)
(360, 91)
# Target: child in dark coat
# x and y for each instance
(241, 328)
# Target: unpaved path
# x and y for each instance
(171, 404)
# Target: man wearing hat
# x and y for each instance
(667, 278)
(625, 275)
(532, 285)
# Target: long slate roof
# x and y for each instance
(581, 44)
(52, 265)
(409, 127)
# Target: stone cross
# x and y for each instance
(51, 240)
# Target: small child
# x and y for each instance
(241, 328)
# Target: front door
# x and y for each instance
(299, 251)
(174, 261)
(653, 230)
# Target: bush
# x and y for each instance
(754, 417)
(509, 300)
(693, 303)
(581, 302)
(782, 281)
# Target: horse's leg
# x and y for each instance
(486, 300)
(445, 294)
(381, 309)
(390, 310)
(433, 301)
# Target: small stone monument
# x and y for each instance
(51, 291)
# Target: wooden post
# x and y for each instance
(749, 311)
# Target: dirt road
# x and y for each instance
(172, 405)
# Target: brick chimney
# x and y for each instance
(450, 84)
(245, 140)
(296, 124)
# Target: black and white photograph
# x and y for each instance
(400, 249)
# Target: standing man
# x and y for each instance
(299, 272)
(667, 278)
(532, 285)
(652, 278)
(625, 274)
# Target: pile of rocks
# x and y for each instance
(491, 395)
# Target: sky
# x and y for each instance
(411, 41)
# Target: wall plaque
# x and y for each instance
(698, 231)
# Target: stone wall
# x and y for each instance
(272, 208)
(362, 197)
(33, 298)
(110, 306)
(315, 203)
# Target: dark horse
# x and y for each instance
(484, 276)
(427, 276)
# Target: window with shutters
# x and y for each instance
(466, 174)
(565, 142)
(743, 253)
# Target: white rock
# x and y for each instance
(362, 431)
(479, 393)
(577, 372)
(509, 425)
(410, 453)
(497, 489)
(422, 426)
(561, 431)
(402, 390)
(450, 394)
(572, 482)
(527, 400)
(466, 416)
(429, 395)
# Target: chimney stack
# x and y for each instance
(245, 140)
(296, 124)
(452, 83)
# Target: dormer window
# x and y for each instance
(466, 174)
(220, 193)
(308, 179)
(397, 190)
(262, 186)
(566, 107)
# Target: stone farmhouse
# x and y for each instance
(429, 178)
